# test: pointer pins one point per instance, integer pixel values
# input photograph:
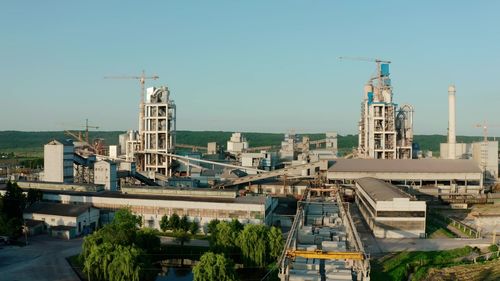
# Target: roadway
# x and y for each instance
(44, 259)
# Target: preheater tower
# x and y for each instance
(384, 131)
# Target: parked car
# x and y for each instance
(4, 240)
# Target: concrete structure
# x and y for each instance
(58, 161)
(201, 205)
(105, 173)
(452, 149)
(485, 153)
(260, 160)
(438, 177)
(212, 148)
(113, 151)
(451, 122)
(384, 131)
(389, 212)
(159, 131)
(237, 144)
(288, 151)
(81, 218)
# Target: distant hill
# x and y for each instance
(34, 141)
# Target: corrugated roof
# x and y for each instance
(380, 190)
(405, 166)
(68, 210)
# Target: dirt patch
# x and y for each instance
(488, 271)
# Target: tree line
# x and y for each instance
(255, 246)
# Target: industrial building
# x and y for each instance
(237, 144)
(201, 205)
(388, 211)
(485, 153)
(385, 132)
(58, 161)
(64, 220)
(438, 177)
(158, 136)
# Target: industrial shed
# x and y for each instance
(431, 176)
(388, 211)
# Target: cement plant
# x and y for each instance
(146, 206)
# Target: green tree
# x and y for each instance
(214, 267)
(236, 226)
(119, 250)
(224, 239)
(212, 225)
(181, 237)
(164, 223)
(275, 242)
(147, 239)
(14, 201)
(252, 242)
(34, 195)
(174, 221)
(194, 227)
(184, 223)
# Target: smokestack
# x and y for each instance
(451, 122)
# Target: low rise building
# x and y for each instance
(438, 177)
(388, 211)
(74, 219)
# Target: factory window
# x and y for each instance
(399, 214)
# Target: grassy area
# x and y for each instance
(399, 266)
(436, 227)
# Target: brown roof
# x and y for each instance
(380, 190)
(405, 166)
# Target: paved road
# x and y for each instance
(42, 260)
(397, 245)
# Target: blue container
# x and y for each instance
(384, 69)
(370, 97)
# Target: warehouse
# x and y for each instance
(438, 177)
(64, 220)
(201, 205)
(388, 211)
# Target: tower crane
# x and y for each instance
(79, 136)
(142, 80)
(485, 127)
(377, 61)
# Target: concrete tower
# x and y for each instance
(451, 123)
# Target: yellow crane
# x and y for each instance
(319, 254)
(142, 80)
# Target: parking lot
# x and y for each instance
(43, 259)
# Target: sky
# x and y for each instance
(260, 66)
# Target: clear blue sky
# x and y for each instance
(264, 66)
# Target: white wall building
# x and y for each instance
(79, 217)
(389, 212)
(105, 174)
(486, 155)
(58, 161)
(237, 143)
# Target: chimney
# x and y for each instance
(451, 123)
